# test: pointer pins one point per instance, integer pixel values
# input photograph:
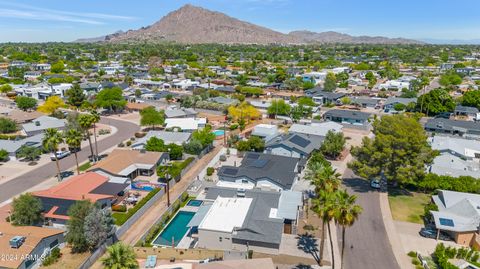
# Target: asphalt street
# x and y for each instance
(26, 181)
(367, 244)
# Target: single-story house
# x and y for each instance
(225, 89)
(177, 138)
(186, 124)
(365, 102)
(392, 101)
(348, 117)
(294, 145)
(265, 131)
(319, 96)
(91, 186)
(25, 247)
(466, 111)
(13, 146)
(247, 219)
(458, 214)
(467, 129)
(263, 171)
(42, 123)
(224, 100)
(129, 164)
(180, 113)
(20, 116)
(316, 128)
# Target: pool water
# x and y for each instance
(219, 132)
(175, 230)
(195, 203)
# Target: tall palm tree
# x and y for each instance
(323, 177)
(346, 213)
(51, 139)
(73, 138)
(324, 206)
(120, 255)
(96, 119)
(85, 121)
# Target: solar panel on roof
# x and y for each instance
(300, 141)
(230, 171)
(446, 222)
(259, 163)
(253, 156)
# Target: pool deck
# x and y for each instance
(189, 209)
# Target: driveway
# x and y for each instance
(371, 247)
(26, 181)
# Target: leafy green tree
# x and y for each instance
(346, 213)
(399, 107)
(99, 225)
(398, 151)
(155, 144)
(5, 88)
(450, 79)
(3, 155)
(372, 80)
(26, 210)
(75, 96)
(193, 147)
(346, 100)
(300, 111)
(118, 256)
(308, 85)
(306, 101)
(77, 214)
(175, 151)
(111, 99)
(58, 67)
(279, 107)
(73, 138)
(25, 103)
(293, 84)
(333, 144)
(204, 136)
(28, 152)
(51, 140)
(254, 143)
(471, 98)
(150, 117)
(7, 126)
(330, 83)
(434, 102)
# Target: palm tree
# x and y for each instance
(324, 207)
(85, 121)
(96, 119)
(120, 255)
(323, 177)
(73, 138)
(346, 213)
(51, 139)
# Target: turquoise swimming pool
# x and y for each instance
(219, 132)
(196, 203)
(175, 230)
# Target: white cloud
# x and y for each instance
(28, 12)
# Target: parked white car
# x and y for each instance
(60, 154)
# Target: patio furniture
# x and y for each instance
(151, 261)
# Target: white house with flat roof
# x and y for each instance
(186, 124)
(266, 131)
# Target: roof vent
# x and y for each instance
(37, 123)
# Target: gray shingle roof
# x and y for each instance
(259, 166)
(167, 137)
(302, 143)
(179, 113)
(466, 109)
(42, 123)
(347, 114)
(400, 100)
(447, 125)
(12, 146)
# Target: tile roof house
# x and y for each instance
(251, 219)
(37, 242)
(467, 129)
(130, 163)
(177, 138)
(459, 214)
(20, 116)
(42, 123)
(263, 171)
(91, 186)
(294, 145)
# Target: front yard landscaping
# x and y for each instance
(407, 206)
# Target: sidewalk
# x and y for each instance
(395, 242)
(134, 234)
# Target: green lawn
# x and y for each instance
(407, 206)
(85, 166)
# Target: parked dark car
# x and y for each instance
(444, 115)
(432, 233)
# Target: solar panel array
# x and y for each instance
(230, 171)
(446, 222)
(260, 163)
(299, 141)
(253, 156)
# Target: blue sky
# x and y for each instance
(67, 20)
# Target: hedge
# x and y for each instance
(175, 170)
(121, 218)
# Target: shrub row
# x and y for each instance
(121, 218)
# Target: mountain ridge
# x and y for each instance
(196, 25)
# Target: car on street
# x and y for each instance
(66, 174)
(432, 233)
(375, 183)
(60, 154)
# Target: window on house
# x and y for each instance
(220, 239)
(244, 181)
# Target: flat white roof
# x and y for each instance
(225, 214)
(185, 123)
